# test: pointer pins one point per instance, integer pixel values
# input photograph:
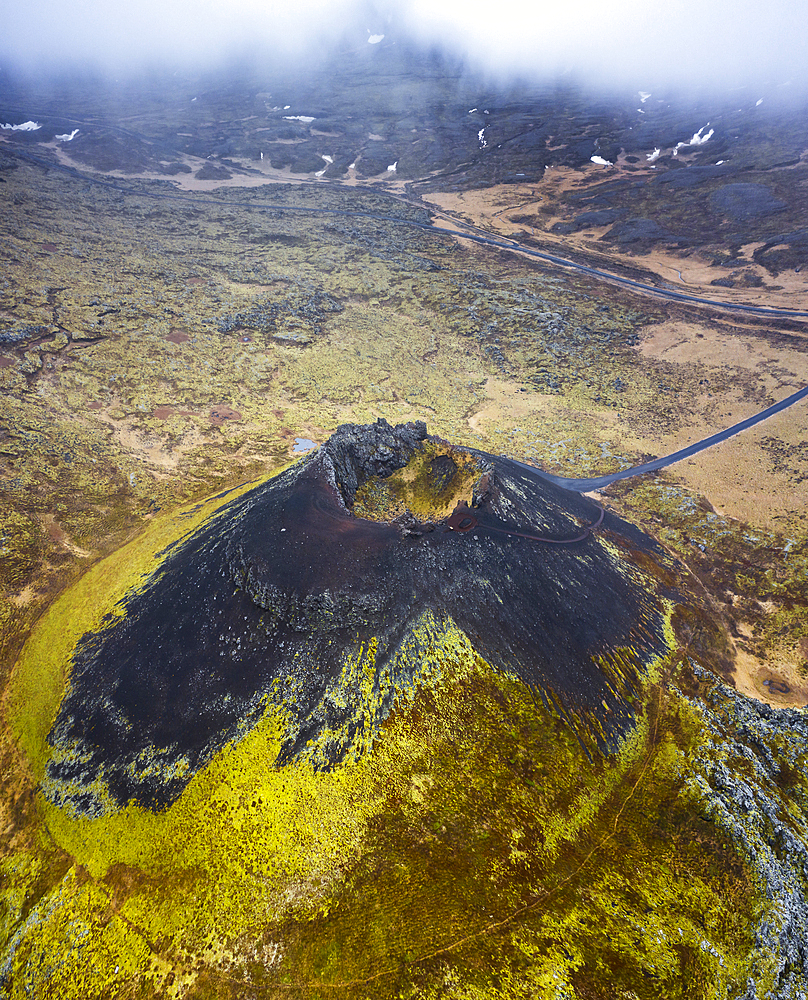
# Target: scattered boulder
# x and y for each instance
(210, 172)
(171, 169)
(639, 231)
(589, 220)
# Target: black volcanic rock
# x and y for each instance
(212, 172)
(692, 176)
(786, 250)
(589, 220)
(273, 595)
(641, 231)
(745, 201)
(375, 161)
(598, 217)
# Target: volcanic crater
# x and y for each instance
(366, 551)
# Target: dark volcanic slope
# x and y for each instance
(285, 583)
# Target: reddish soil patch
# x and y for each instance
(50, 247)
(97, 405)
(7, 362)
(164, 412)
(220, 414)
(279, 414)
(195, 281)
(178, 337)
(55, 533)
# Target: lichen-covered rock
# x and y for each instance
(750, 776)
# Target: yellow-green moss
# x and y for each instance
(467, 840)
(429, 645)
(416, 490)
(469, 837)
(473, 843)
(38, 679)
(470, 850)
(459, 881)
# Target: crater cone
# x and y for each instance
(325, 589)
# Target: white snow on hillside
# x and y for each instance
(697, 140)
(25, 127)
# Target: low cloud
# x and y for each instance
(170, 34)
(625, 42)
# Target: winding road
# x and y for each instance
(476, 235)
(598, 482)
(639, 286)
(465, 231)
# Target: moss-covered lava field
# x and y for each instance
(397, 796)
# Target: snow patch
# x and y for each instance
(328, 159)
(481, 138)
(392, 168)
(25, 127)
(697, 140)
(472, 110)
(599, 160)
(643, 96)
(306, 119)
(758, 103)
(375, 39)
(654, 156)
(68, 136)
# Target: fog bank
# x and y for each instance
(632, 43)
